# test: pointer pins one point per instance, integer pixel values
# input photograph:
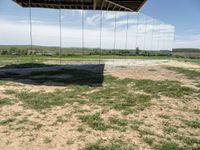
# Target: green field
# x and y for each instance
(119, 108)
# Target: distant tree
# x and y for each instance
(13, 50)
(4, 52)
(137, 52)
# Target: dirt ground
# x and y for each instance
(59, 127)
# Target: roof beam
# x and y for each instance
(110, 5)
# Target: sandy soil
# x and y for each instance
(65, 135)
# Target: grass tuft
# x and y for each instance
(191, 74)
(192, 123)
(5, 101)
(117, 121)
(115, 145)
(169, 129)
(168, 88)
(168, 146)
(149, 140)
(164, 116)
(7, 121)
(94, 121)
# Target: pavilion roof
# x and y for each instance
(110, 5)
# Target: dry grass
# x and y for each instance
(122, 113)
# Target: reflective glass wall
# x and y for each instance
(115, 30)
(81, 31)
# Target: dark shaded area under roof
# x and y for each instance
(109, 5)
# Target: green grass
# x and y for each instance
(37, 100)
(117, 121)
(81, 128)
(168, 146)
(11, 59)
(5, 101)
(195, 61)
(38, 126)
(7, 121)
(118, 94)
(192, 123)
(135, 124)
(63, 118)
(169, 129)
(94, 121)
(164, 116)
(149, 140)
(144, 132)
(191, 74)
(29, 58)
(70, 142)
(196, 111)
(188, 140)
(26, 121)
(113, 94)
(2, 82)
(47, 140)
(118, 124)
(168, 88)
(9, 92)
(115, 145)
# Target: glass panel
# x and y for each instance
(142, 31)
(14, 27)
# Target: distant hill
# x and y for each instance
(186, 50)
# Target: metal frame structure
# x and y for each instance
(128, 6)
(109, 5)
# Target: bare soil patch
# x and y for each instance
(74, 125)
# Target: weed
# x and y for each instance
(20, 128)
(10, 92)
(117, 121)
(5, 101)
(2, 82)
(37, 100)
(196, 111)
(94, 121)
(169, 129)
(191, 74)
(47, 140)
(192, 123)
(70, 142)
(135, 124)
(149, 140)
(164, 116)
(37, 127)
(152, 70)
(146, 132)
(166, 88)
(7, 121)
(81, 128)
(188, 140)
(115, 145)
(61, 119)
(168, 146)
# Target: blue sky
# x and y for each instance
(183, 14)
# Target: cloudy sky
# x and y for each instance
(183, 14)
(153, 28)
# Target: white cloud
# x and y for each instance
(187, 41)
(48, 34)
(33, 21)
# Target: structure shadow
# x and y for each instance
(54, 75)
